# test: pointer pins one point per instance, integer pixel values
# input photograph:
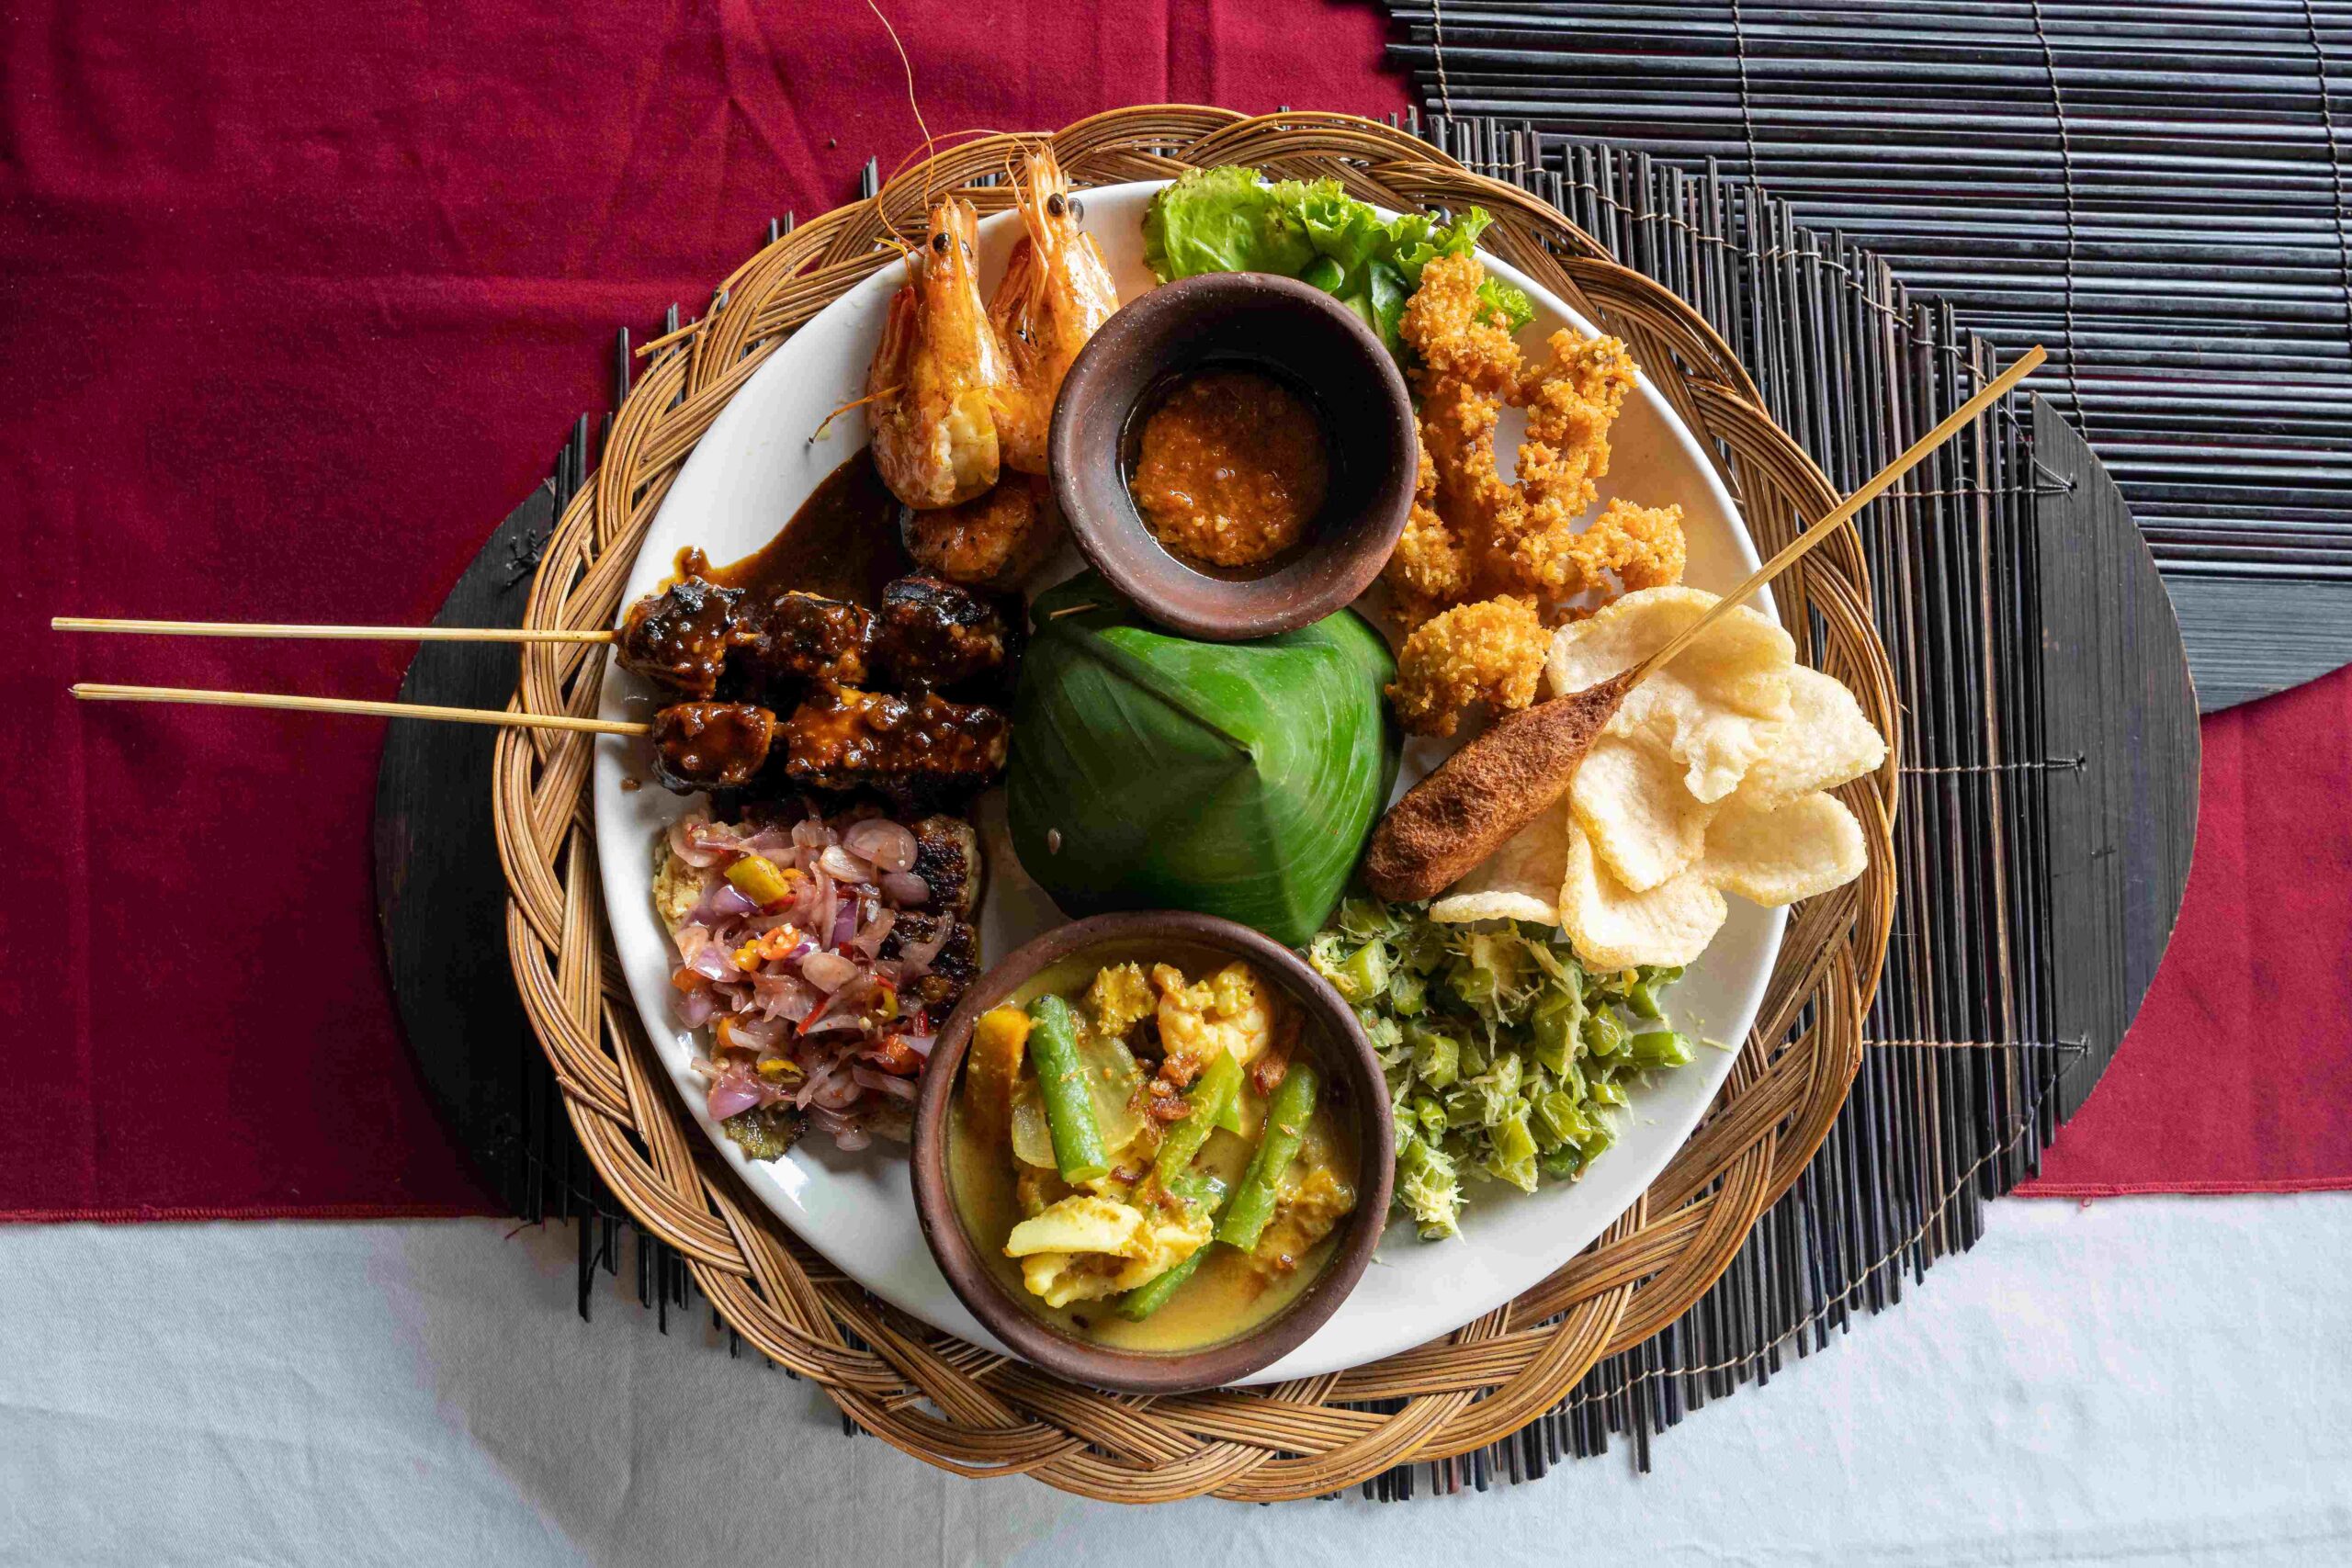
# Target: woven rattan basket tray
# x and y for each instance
(968, 1410)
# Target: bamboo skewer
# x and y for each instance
(97, 692)
(328, 633)
(1837, 516)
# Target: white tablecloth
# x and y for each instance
(2146, 1379)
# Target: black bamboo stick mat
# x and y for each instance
(2156, 191)
(2046, 815)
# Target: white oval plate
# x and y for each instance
(755, 465)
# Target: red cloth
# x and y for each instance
(2237, 1075)
(301, 300)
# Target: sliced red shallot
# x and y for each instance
(837, 1093)
(758, 1034)
(695, 1008)
(883, 1082)
(844, 866)
(905, 889)
(827, 971)
(733, 1094)
(870, 936)
(915, 957)
(877, 839)
(787, 996)
(714, 962)
(724, 902)
(681, 843)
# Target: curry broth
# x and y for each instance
(1226, 1295)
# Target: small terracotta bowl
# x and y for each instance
(1005, 1312)
(1237, 319)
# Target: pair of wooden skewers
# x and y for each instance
(1603, 699)
(99, 691)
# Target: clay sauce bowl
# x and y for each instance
(1344, 1053)
(1237, 321)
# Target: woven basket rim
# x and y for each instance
(951, 1402)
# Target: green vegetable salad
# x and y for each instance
(1233, 219)
(1504, 1055)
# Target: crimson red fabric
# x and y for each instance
(2237, 1075)
(300, 300)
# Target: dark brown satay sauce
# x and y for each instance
(843, 543)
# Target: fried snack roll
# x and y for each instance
(1485, 793)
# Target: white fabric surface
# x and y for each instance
(2148, 1380)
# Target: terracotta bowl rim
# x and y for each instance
(1332, 574)
(1128, 1372)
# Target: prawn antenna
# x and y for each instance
(909, 67)
(826, 422)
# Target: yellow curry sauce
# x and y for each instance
(1231, 469)
(1229, 1292)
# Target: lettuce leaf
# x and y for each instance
(1232, 220)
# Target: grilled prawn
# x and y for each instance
(939, 378)
(1055, 295)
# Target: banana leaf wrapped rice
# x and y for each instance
(1150, 770)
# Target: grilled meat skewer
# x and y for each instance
(794, 636)
(842, 739)
(910, 748)
(934, 635)
(680, 637)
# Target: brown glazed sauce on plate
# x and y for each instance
(843, 543)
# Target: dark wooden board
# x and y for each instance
(2118, 696)
(440, 895)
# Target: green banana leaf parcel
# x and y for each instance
(1149, 771)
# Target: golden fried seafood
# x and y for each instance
(1643, 545)
(1473, 536)
(1457, 336)
(940, 377)
(1571, 401)
(1431, 567)
(994, 540)
(1491, 650)
(1056, 292)
(1458, 430)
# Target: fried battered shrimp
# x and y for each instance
(1484, 562)
(1643, 545)
(1571, 403)
(1457, 337)
(1492, 649)
(1430, 568)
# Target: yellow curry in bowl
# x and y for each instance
(1151, 1151)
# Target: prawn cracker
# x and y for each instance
(1613, 927)
(1717, 708)
(1630, 800)
(1789, 853)
(1519, 881)
(1827, 740)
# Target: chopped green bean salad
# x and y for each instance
(1504, 1057)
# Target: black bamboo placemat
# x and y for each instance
(2155, 191)
(2046, 820)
